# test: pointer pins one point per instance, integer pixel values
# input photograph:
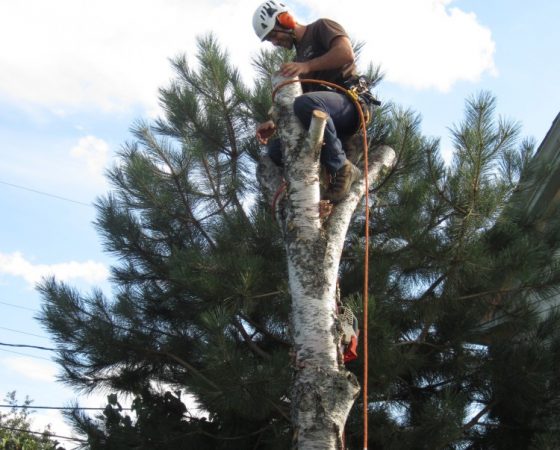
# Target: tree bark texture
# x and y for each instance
(323, 390)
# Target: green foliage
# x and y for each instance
(15, 428)
(459, 355)
(200, 302)
(157, 422)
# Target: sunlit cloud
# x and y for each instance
(16, 265)
(95, 153)
(69, 54)
(30, 368)
(423, 44)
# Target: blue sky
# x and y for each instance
(75, 75)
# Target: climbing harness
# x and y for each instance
(358, 88)
(365, 319)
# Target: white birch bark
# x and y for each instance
(323, 391)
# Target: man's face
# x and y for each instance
(280, 39)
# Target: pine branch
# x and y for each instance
(217, 436)
(475, 419)
(217, 195)
(440, 192)
(264, 331)
(175, 178)
(254, 347)
(187, 366)
(420, 342)
(234, 159)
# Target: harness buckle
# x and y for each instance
(358, 89)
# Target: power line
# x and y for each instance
(49, 434)
(36, 347)
(18, 306)
(61, 408)
(25, 354)
(98, 318)
(36, 191)
(23, 332)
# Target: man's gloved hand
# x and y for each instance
(293, 69)
(264, 131)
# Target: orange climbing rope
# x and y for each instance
(354, 98)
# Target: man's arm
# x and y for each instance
(339, 55)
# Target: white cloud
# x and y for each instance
(73, 54)
(30, 368)
(424, 44)
(73, 168)
(68, 53)
(95, 153)
(15, 264)
(43, 418)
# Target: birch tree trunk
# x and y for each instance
(323, 390)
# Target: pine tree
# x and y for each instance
(452, 249)
(459, 358)
(200, 300)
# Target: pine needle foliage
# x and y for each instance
(461, 355)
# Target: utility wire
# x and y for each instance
(36, 347)
(25, 354)
(49, 434)
(58, 197)
(17, 306)
(544, 311)
(23, 332)
(61, 408)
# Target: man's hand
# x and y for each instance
(293, 69)
(265, 130)
(339, 55)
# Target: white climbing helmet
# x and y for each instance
(264, 19)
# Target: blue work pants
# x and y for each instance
(342, 123)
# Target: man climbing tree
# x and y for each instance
(323, 390)
(210, 296)
(323, 53)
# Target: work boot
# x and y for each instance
(341, 182)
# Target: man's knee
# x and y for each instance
(304, 105)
